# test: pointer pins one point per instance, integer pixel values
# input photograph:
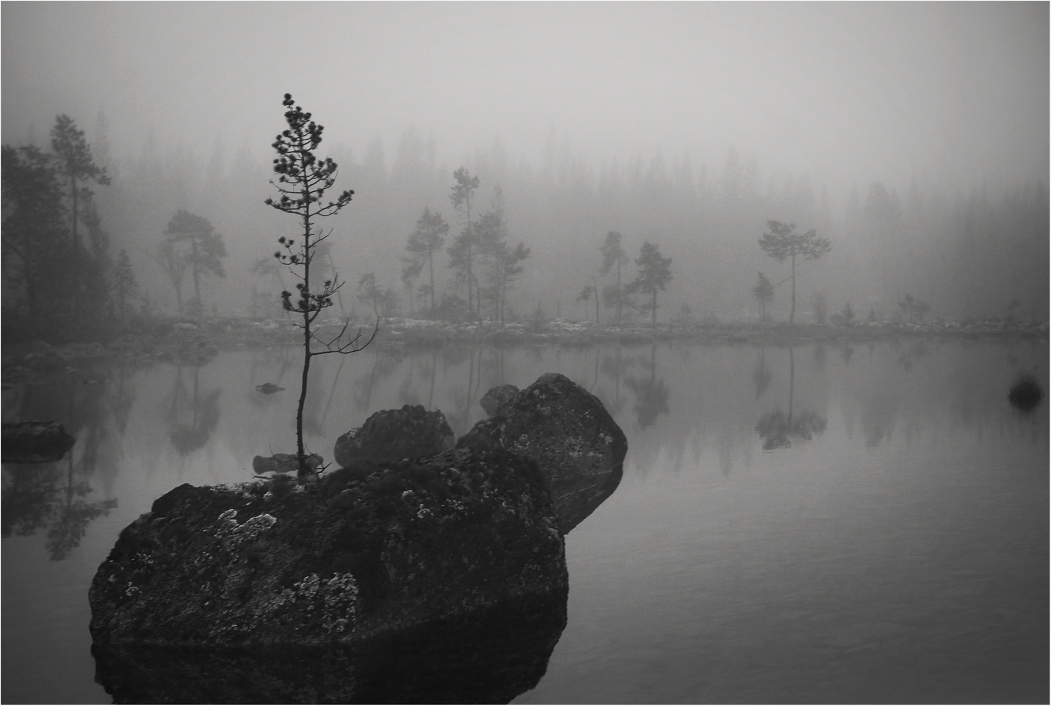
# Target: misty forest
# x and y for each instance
(734, 317)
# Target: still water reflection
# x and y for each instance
(818, 523)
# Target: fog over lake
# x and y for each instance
(798, 251)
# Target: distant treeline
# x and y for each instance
(977, 254)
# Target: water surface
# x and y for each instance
(807, 524)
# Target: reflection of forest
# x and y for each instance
(683, 406)
(651, 394)
(777, 429)
(55, 496)
(193, 417)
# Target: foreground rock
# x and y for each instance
(488, 658)
(496, 396)
(35, 442)
(568, 433)
(359, 555)
(395, 434)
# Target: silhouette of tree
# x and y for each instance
(613, 254)
(464, 249)
(427, 239)
(763, 292)
(782, 243)
(653, 275)
(124, 284)
(205, 250)
(303, 179)
(34, 231)
(75, 163)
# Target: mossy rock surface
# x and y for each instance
(568, 433)
(394, 434)
(365, 552)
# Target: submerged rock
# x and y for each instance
(395, 434)
(489, 658)
(1025, 394)
(568, 433)
(268, 388)
(283, 463)
(35, 442)
(496, 396)
(363, 553)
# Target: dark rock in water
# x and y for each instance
(268, 388)
(568, 433)
(490, 658)
(394, 434)
(358, 555)
(35, 442)
(283, 463)
(1025, 394)
(495, 397)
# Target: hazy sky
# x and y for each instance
(847, 92)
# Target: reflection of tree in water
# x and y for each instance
(651, 395)
(761, 375)
(73, 516)
(846, 352)
(613, 367)
(820, 357)
(777, 429)
(382, 367)
(204, 415)
(33, 494)
(29, 495)
(122, 397)
(912, 352)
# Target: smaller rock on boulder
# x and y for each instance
(492, 401)
(35, 442)
(394, 434)
(568, 433)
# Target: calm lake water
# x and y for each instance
(898, 554)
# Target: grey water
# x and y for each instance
(819, 524)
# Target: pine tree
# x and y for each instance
(303, 179)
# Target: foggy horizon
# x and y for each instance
(955, 95)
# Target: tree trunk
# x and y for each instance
(595, 281)
(430, 263)
(792, 313)
(196, 279)
(300, 450)
(654, 306)
(76, 249)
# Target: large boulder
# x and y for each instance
(568, 433)
(365, 552)
(395, 434)
(35, 442)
